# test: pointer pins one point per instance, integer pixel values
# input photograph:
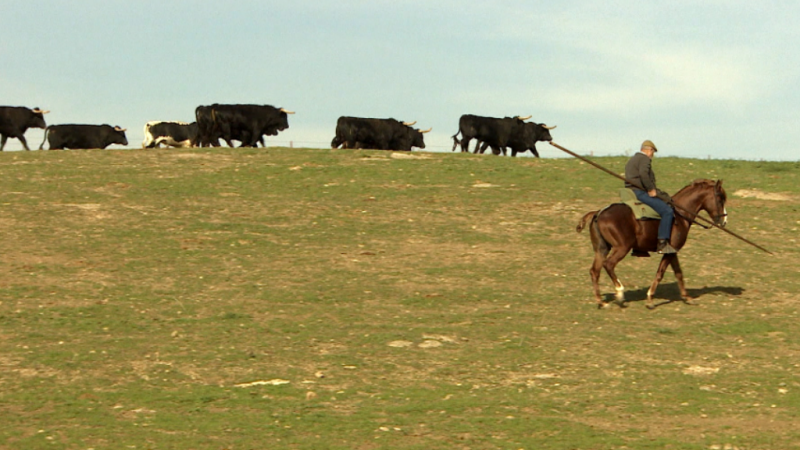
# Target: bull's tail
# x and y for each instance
(46, 130)
(586, 218)
(456, 142)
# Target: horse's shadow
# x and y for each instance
(669, 292)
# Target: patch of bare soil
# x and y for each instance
(410, 156)
(757, 194)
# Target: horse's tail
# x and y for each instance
(586, 217)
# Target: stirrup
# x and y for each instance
(667, 250)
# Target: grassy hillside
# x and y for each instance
(318, 299)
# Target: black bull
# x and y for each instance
(380, 134)
(244, 123)
(83, 136)
(512, 132)
(15, 121)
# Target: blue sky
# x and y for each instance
(701, 79)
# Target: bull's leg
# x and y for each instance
(614, 257)
(662, 267)
(3, 139)
(676, 268)
(255, 136)
(24, 142)
(465, 144)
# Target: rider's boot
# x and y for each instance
(664, 248)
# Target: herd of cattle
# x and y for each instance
(248, 124)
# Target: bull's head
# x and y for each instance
(418, 138)
(37, 121)
(120, 137)
(283, 120)
(542, 133)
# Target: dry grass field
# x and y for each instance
(317, 299)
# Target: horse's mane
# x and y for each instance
(698, 181)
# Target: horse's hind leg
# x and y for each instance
(597, 266)
(610, 264)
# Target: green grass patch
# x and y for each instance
(309, 299)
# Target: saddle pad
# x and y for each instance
(640, 210)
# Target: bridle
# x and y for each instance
(722, 214)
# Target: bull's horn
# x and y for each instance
(120, 129)
(39, 111)
(408, 124)
(287, 111)
(426, 131)
(548, 128)
(524, 118)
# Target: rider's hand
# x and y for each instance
(652, 193)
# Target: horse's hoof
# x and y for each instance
(603, 305)
(651, 306)
(688, 301)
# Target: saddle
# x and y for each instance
(640, 210)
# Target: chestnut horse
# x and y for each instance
(615, 232)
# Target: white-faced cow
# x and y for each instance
(171, 134)
(83, 136)
(15, 121)
(244, 123)
(380, 134)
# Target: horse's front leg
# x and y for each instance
(662, 267)
(676, 268)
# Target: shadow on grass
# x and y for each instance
(669, 292)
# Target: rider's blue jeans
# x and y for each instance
(662, 208)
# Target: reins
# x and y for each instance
(681, 210)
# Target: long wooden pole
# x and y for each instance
(588, 161)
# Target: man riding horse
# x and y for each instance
(615, 230)
(639, 174)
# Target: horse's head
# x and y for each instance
(714, 201)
